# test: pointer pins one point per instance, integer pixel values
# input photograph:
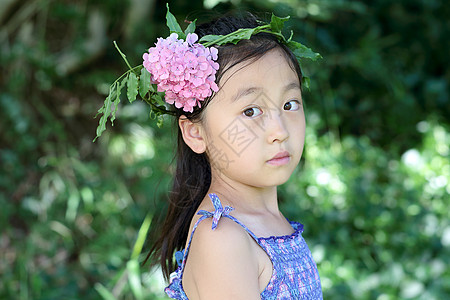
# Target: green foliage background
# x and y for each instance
(372, 189)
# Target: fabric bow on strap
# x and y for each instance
(219, 211)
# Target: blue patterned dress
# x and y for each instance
(294, 274)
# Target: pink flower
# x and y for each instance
(191, 38)
(214, 53)
(184, 70)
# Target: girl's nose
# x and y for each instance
(276, 129)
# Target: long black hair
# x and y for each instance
(192, 177)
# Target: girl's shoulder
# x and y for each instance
(215, 223)
(226, 231)
(216, 230)
(221, 258)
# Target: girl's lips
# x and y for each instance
(280, 158)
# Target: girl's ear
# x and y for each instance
(192, 134)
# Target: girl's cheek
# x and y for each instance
(257, 125)
(221, 161)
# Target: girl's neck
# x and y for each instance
(246, 198)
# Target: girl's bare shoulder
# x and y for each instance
(220, 259)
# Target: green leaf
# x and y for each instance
(277, 23)
(144, 82)
(134, 278)
(107, 295)
(137, 249)
(105, 110)
(235, 37)
(305, 82)
(190, 28)
(117, 99)
(290, 37)
(173, 24)
(123, 56)
(160, 121)
(152, 115)
(132, 87)
(159, 98)
(301, 51)
(305, 79)
(210, 38)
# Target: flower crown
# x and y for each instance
(180, 70)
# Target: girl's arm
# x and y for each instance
(222, 264)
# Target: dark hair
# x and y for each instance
(193, 171)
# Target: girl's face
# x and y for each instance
(255, 125)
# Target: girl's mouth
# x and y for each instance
(281, 158)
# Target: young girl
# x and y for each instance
(235, 147)
(233, 152)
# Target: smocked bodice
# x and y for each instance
(294, 274)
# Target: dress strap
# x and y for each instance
(219, 211)
(225, 212)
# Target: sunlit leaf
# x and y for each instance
(134, 278)
(141, 237)
(103, 291)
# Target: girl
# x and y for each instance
(241, 131)
(233, 152)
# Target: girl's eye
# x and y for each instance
(252, 112)
(291, 105)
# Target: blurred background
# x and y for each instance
(372, 189)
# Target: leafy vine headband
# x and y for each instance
(180, 70)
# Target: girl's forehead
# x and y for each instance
(266, 72)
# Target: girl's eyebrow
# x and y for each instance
(292, 86)
(244, 92)
(250, 90)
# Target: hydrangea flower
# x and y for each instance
(184, 70)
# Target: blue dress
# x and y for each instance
(294, 274)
